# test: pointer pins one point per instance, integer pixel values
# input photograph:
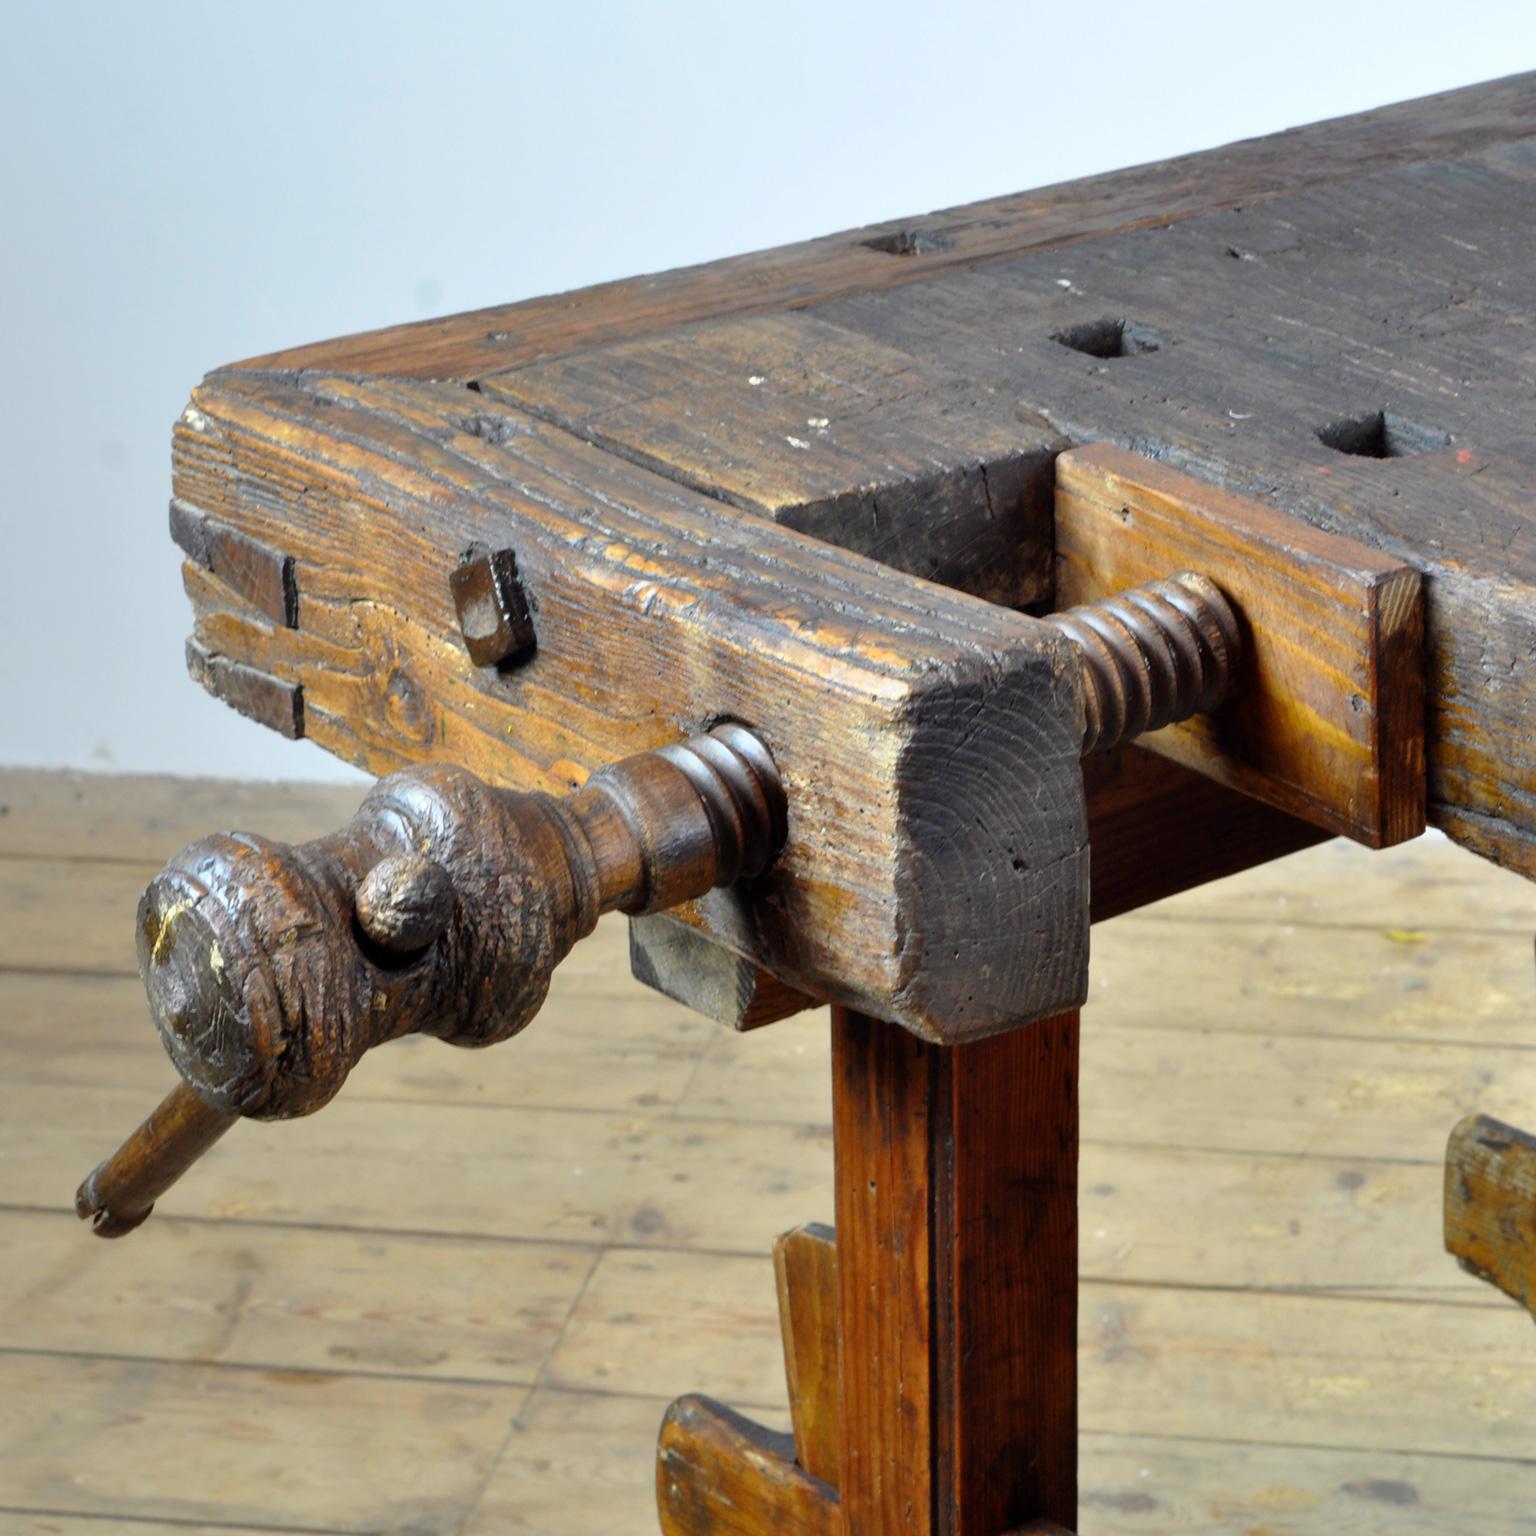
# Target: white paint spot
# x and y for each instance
(195, 419)
(754, 379)
(818, 422)
(1241, 415)
(796, 442)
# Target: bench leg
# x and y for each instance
(957, 1279)
(932, 1345)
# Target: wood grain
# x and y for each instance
(1238, 1301)
(1359, 1109)
(318, 1450)
(261, 575)
(683, 964)
(1156, 829)
(864, 446)
(1325, 717)
(719, 1474)
(1341, 313)
(957, 1309)
(259, 695)
(926, 739)
(1316, 334)
(291, 1298)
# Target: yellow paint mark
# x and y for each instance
(161, 947)
(1407, 936)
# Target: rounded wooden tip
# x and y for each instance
(104, 1219)
(404, 902)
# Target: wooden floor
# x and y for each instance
(458, 1299)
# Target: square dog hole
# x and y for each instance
(1380, 435)
(1109, 338)
(907, 242)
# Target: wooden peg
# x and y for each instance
(121, 1193)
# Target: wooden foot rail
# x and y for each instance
(1490, 1205)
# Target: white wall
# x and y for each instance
(183, 185)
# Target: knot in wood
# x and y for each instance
(1152, 656)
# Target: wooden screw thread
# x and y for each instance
(1152, 656)
(673, 824)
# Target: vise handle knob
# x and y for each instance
(442, 908)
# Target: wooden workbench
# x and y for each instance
(841, 494)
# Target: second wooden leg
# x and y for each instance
(957, 1279)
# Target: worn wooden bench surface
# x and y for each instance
(1333, 321)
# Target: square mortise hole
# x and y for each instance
(907, 242)
(1380, 435)
(1109, 338)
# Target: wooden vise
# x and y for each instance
(884, 803)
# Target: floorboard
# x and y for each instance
(457, 1300)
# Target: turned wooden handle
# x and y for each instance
(442, 908)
